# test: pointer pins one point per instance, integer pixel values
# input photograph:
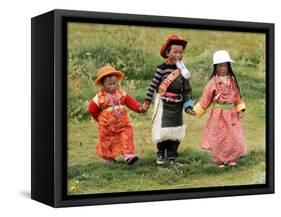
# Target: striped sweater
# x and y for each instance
(161, 72)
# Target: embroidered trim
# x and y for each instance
(199, 110)
(187, 104)
(167, 82)
(241, 107)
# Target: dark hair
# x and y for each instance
(168, 48)
(229, 69)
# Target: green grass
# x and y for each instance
(135, 51)
(89, 174)
(145, 175)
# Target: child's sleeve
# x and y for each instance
(187, 96)
(206, 99)
(157, 79)
(132, 104)
(94, 108)
(239, 102)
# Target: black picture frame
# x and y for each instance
(48, 108)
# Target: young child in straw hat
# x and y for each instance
(223, 135)
(115, 132)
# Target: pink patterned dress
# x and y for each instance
(223, 135)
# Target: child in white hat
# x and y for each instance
(223, 135)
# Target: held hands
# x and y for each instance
(190, 112)
(145, 107)
(141, 110)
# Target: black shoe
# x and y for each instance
(160, 159)
(175, 162)
(132, 160)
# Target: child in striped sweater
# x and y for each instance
(174, 94)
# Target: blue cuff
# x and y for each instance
(188, 104)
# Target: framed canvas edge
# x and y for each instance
(62, 200)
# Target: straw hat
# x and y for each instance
(108, 70)
(221, 56)
(171, 40)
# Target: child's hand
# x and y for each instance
(145, 107)
(141, 110)
(241, 114)
(191, 112)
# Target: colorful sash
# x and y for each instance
(223, 106)
(167, 82)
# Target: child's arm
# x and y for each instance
(158, 75)
(145, 105)
(187, 98)
(240, 105)
(132, 104)
(239, 102)
(206, 99)
(93, 108)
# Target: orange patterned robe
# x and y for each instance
(223, 134)
(115, 133)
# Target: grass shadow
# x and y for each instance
(103, 177)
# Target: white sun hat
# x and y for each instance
(221, 56)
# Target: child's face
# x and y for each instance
(221, 69)
(176, 53)
(110, 83)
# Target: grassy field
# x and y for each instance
(135, 50)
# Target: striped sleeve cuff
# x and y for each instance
(149, 99)
(240, 107)
(199, 110)
(188, 104)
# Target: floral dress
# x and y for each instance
(223, 135)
